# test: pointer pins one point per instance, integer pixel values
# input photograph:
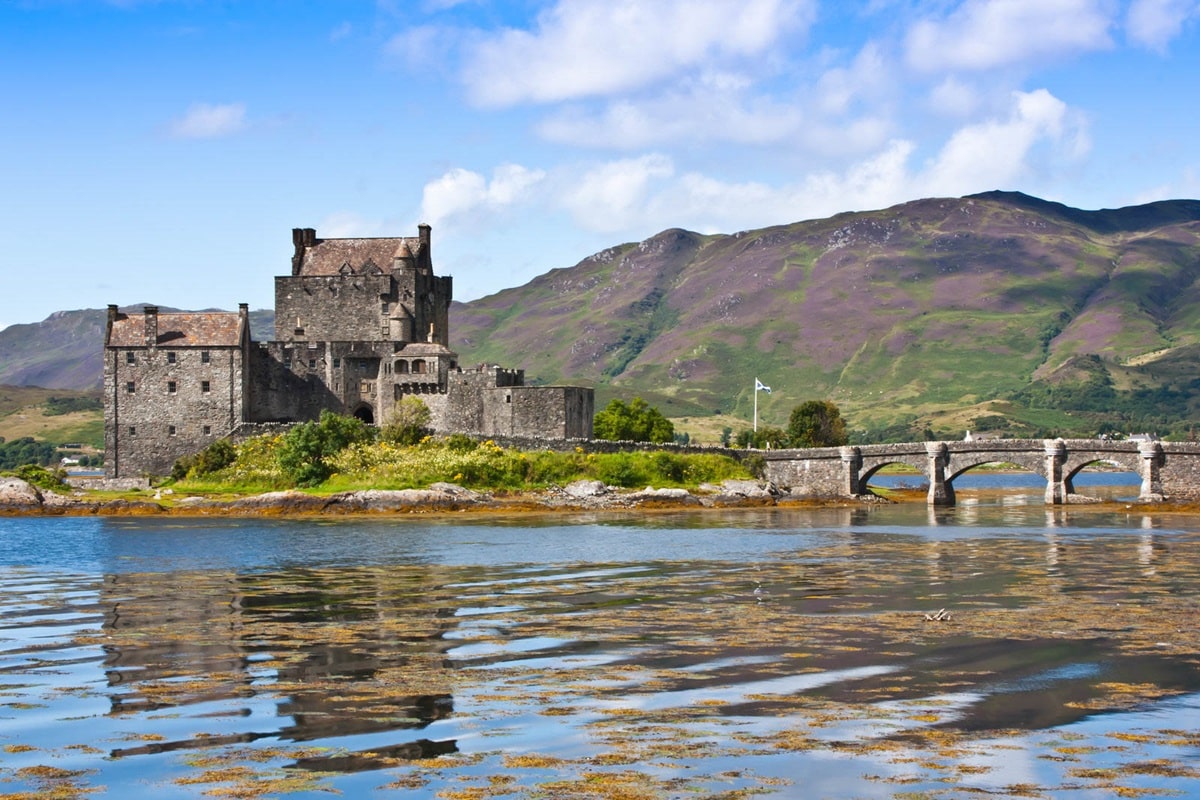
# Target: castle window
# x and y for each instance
(418, 366)
(170, 356)
(205, 387)
(133, 430)
(508, 398)
(129, 388)
(170, 430)
(206, 430)
(130, 358)
(170, 387)
(337, 362)
(402, 367)
(384, 306)
(312, 363)
(203, 356)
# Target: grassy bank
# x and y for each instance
(259, 465)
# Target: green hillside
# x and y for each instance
(931, 314)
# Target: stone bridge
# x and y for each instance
(1169, 470)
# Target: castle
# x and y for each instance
(359, 324)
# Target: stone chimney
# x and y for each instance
(301, 239)
(150, 315)
(423, 233)
(113, 311)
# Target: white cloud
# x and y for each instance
(1154, 23)
(996, 153)
(867, 78)
(986, 34)
(1028, 138)
(953, 98)
(462, 193)
(585, 48)
(203, 121)
(614, 196)
(847, 111)
(423, 47)
(702, 112)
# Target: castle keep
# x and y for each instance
(359, 324)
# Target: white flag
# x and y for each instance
(759, 387)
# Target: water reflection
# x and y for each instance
(769, 638)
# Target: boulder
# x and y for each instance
(285, 502)
(586, 488)
(17, 495)
(385, 500)
(663, 497)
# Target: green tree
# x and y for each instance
(636, 422)
(305, 448)
(408, 422)
(766, 437)
(816, 423)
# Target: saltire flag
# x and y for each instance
(760, 387)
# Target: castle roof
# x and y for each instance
(179, 329)
(355, 256)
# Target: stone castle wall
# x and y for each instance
(174, 408)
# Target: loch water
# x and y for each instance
(1000, 647)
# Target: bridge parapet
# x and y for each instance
(1167, 469)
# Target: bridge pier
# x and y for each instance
(851, 468)
(1058, 484)
(941, 491)
(1152, 459)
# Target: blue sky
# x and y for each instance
(162, 150)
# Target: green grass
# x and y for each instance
(485, 466)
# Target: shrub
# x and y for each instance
(621, 469)
(408, 422)
(41, 477)
(307, 448)
(215, 457)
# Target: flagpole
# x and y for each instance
(756, 405)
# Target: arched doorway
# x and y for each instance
(365, 413)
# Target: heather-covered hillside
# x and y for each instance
(902, 315)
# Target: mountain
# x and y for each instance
(64, 350)
(901, 316)
(993, 311)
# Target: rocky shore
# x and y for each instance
(17, 497)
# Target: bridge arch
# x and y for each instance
(867, 472)
(1030, 462)
(1166, 469)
